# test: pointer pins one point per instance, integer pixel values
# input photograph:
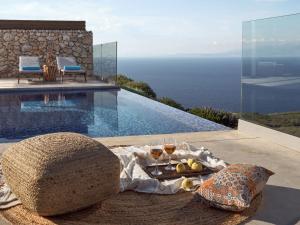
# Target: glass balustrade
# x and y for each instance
(271, 73)
(105, 62)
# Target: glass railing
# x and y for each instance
(105, 62)
(271, 73)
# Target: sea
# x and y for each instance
(192, 82)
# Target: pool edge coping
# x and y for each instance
(57, 88)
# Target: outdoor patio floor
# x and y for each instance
(69, 83)
(281, 196)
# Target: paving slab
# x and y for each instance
(11, 85)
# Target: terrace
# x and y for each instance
(251, 143)
(280, 204)
(48, 39)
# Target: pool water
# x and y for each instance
(94, 113)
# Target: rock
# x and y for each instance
(50, 38)
(3, 68)
(23, 40)
(7, 37)
(2, 52)
(68, 51)
(74, 49)
(90, 66)
(87, 41)
(66, 37)
(26, 48)
(89, 60)
(83, 53)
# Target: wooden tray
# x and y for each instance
(172, 174)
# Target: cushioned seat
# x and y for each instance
(62, 172)
(69, 65)
(29, 65)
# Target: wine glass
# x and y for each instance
(156, 151)
(169, 147)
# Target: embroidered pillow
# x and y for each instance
(234, 187)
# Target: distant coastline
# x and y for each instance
(190, 81)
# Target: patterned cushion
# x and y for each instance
(234, 187)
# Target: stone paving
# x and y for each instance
(11, 84)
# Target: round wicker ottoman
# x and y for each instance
(61, 172)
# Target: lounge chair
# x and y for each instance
(68, 65)
(29, 65)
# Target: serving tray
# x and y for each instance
(172, 174)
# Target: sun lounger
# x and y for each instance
(68, 65)
(29, 65)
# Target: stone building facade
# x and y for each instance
(35, 42)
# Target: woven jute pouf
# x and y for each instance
(139, 209)
(62, 172)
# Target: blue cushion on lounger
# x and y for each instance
(72, 67)
(30, 68)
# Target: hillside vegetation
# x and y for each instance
(226, 118)
(287, 122)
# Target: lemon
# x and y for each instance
(190, 162)
(196, 167)
(187, 184)
(180, 168)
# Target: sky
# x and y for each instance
(157, 28)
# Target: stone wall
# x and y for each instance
(14, 43)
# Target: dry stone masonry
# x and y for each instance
(17, 42)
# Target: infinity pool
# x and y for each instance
(94, 113)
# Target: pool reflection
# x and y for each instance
(31, 114)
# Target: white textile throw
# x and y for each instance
(133, 177)
(133, 159)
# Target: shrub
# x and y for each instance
(139, 87)
(143, 87)
(225, 118)
(171, 102)
(122, 79)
